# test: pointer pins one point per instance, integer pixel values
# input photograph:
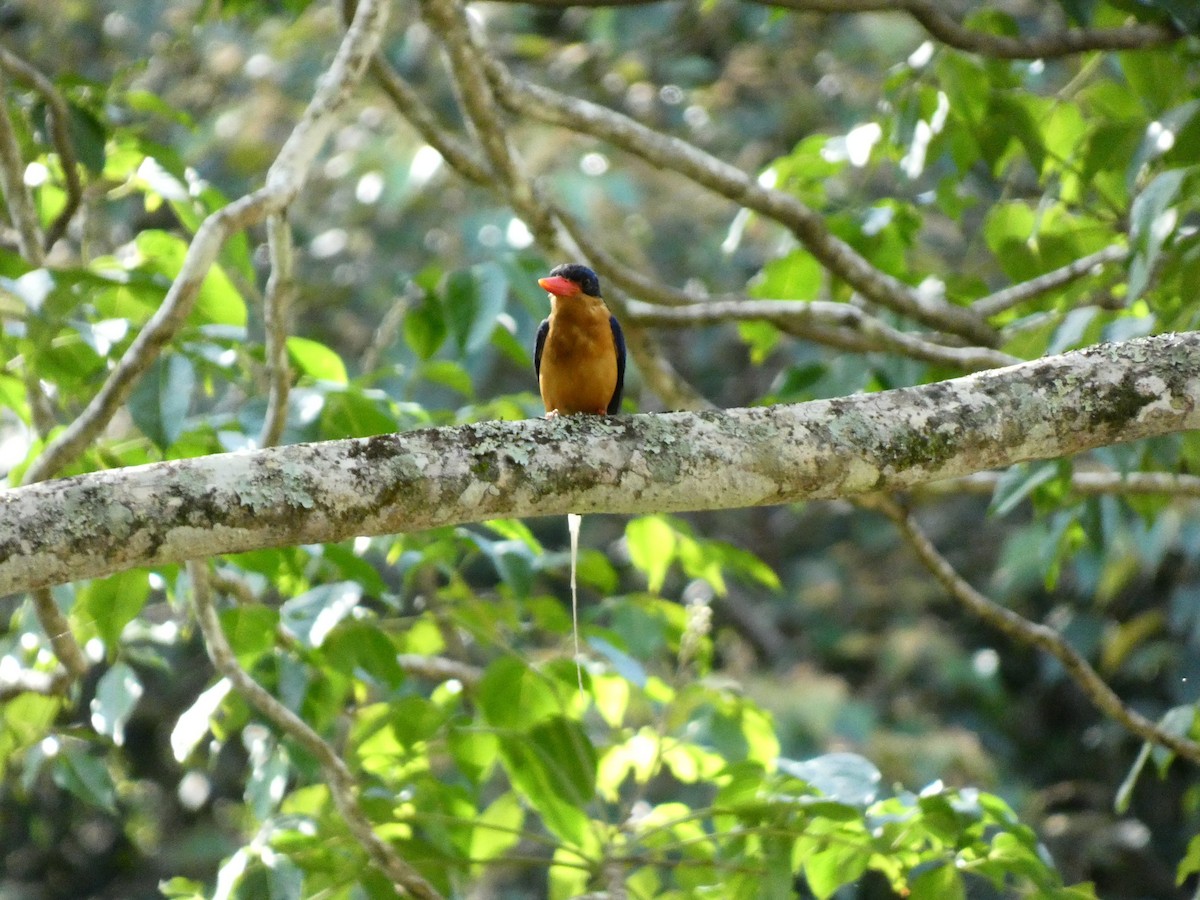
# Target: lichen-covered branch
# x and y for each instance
(104, 522)
(1034, 634)
(283, 182)
(338, 778)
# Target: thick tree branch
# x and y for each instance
(1034, 634)
(338, 777)
(283, 182)
(100, 523)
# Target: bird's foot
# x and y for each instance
(552, 414)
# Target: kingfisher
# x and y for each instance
(579, 357)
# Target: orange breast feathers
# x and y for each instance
(579, 357)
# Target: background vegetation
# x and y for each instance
(775, 701)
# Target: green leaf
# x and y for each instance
(943, 882)
(196, 720)
(316, 360)
(448, 374)
(107, 605)
(554, 768)
(651, 541)
(361, 650)
(839, 864)
(218, 302)
(797, 276)
(845, 777)
(250, 631)
(159, 404)
(86, 776)
(313, 614)
(1190, 864)
(474, 752)
(512, 695)
(498, 829)
(1018, 482)
(269, 767)
(88, 137)
(117, 694)
(24, 721)
(1152, 220)
(425, 327)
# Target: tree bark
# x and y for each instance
(96, 524)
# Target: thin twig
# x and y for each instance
(277, 300)
(58, 121)
(283, 182)
(440, 668)
(338, 778)
(1033, 634)
(58, 630)
(12, 180)
(31, 681)
(1006, 299)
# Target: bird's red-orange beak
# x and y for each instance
(558, 286)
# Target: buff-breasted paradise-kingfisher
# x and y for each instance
(579, 357)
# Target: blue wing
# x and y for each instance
(614, 405)
(538, 345)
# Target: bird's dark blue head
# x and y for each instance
(580, 275)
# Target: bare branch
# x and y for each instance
(31, 681)
(102, 522)
(1024, 631)
(58, 120)
(58, 630)
(448, 20)
(458, 153)
(283, 183)
(814, 319)
(674, 154)
(439, 668)
(276, 302)
(941, 25)
(338, 777)
(16, 193)
(1006, 299)
(675, 391)
(945, 28)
